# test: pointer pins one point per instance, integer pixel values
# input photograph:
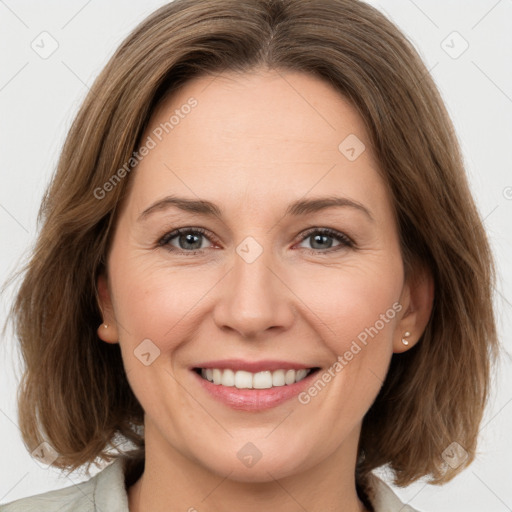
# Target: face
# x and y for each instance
(262, 278)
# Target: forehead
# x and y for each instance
(260, 108)
(256, 136)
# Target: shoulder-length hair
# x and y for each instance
(74, 393)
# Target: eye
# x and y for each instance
(185, 240)
(321, 240)
(190, 241)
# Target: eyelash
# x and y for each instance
(345, 241)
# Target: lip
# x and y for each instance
(253, 366)
(254, 399)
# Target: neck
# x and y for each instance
(172, 481)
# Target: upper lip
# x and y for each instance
(253, 366)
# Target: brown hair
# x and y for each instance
(74, 392)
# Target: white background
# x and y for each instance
(39, 98)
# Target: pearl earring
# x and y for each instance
(404, 341)
(106, 326)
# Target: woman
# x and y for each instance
(261, 264)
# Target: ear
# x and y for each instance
(107, 331)
(417, 300)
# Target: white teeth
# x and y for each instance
(217, 376)
(243, 380)
(300, 374)
(289, 377)
(278, 378)
(247, 380)
(228, 378)
(262, 380)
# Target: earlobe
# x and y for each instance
(107, 331)
(418, 299)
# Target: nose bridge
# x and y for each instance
(254, 299)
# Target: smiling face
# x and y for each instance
(263, 277)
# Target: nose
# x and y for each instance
(254, 298)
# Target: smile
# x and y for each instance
(253, 386)
(248, 380)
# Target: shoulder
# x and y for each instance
(384, 499)
(104, 491)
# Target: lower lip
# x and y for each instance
(254, 399)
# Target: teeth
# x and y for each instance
(262, 380)
(278, 378)
(217, 376)
(243, 380)
(289, 377)
(300, 374)
(247, 380)
(228, 378)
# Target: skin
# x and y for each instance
(254, 143)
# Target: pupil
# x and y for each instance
(189, 239)
(320, 239)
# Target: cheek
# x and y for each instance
(353, 296)
(157, 302)
(356, 311)
(157, 311)
(363, 311)
(355, 307)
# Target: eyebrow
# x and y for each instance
(297, 208)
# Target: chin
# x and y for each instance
(249, 464)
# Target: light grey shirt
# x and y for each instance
(106, 492)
